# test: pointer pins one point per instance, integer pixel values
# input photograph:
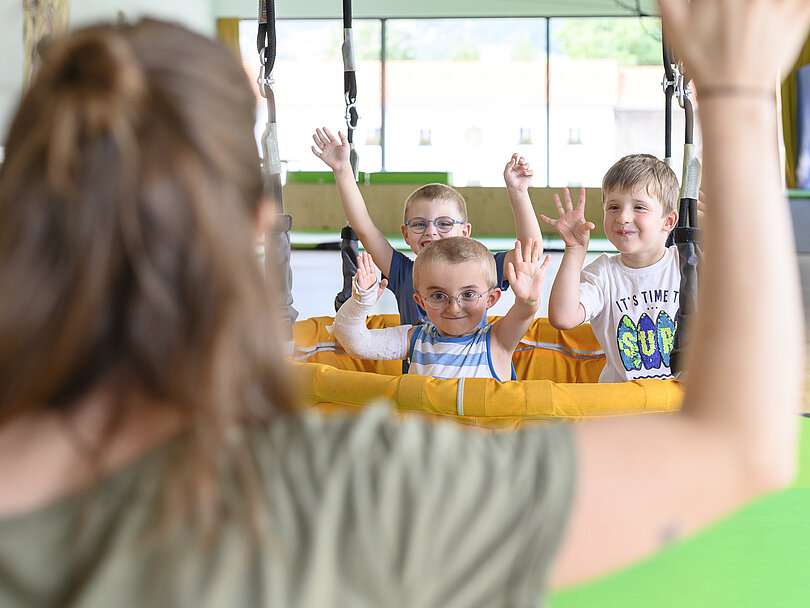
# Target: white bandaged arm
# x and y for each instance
(360, 341)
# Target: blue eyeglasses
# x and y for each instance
(443, 224)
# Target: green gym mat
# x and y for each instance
(387, 177)
(315, 177)
(757, 557)
(410, 177)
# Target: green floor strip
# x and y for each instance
(757, 557)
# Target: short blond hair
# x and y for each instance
(644, 170)
(457, 250)
(441, 192)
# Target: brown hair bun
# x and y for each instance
(97, 90)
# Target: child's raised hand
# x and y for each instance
(571, 226)
(367, 274)
(517, 174)
(525, 276)
(334, 151)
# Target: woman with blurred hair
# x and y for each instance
(150, 453)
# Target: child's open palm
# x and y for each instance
(571, 226)
(334, 151)
(517, 174)
(525, 276)
(367, 274)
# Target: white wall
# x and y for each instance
(11, 66)
(195, 14)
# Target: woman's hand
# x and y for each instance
(713, 38)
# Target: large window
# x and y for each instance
(461, 95)
(605, 96)
(308, 88)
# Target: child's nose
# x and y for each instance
(454, 303)
(431, 228)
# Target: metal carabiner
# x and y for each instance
(682, 88)
(349, 107)
(265, 83)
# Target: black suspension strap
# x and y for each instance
(266, 46)
(348, 237)
(690, 187)
(669, 92)
(690, 184)
(350, 83)
(349, 251)
(277, 241)
(686, 235)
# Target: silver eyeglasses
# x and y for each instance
(466, 299)
(443, 224)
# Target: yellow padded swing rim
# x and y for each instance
(331, 380)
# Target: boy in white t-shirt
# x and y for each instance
(630, 298)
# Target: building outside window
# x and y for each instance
(462, 95)
(308, 87)
(605, 97)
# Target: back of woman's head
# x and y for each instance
(130, 183)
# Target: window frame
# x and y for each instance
(383, 29)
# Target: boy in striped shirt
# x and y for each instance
(454, 280)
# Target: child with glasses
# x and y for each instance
(455, 282)
(432, 212)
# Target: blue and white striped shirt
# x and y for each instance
(464, 357)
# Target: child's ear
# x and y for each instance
(671, 220)
(404, 230)
(418, 299)
(466, 230)
(493, 296)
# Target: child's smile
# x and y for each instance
(460, 313)
(636, 225)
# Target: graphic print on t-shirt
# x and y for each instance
(634, 314)
(646, 344)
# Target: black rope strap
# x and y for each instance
(266, 37)
(350, 84)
